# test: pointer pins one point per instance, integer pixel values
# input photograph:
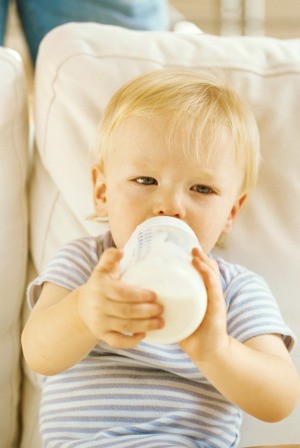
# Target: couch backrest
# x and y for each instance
(81, 65)
(13, 235)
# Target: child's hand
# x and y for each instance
(114, 312)
(211, 336)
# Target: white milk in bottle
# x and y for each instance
(158, 257)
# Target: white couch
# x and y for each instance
(79, 67)
(13, 236)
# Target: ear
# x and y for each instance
(233, 214)
(99, 190)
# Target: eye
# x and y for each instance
(144, 180)
(203, 189)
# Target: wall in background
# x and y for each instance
(276, 18)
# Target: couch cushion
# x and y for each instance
(13, 235)
(80, 66)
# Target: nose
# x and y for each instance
(170, 203)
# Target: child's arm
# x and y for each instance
(259, 375)
(64, 326)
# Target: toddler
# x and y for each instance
(174, 143)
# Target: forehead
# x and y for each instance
(139, 135)
(144, 144)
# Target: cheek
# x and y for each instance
(209, 228)
(121, 223)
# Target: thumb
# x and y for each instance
(109, 261)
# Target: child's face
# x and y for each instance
(143, 179)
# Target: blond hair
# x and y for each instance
(192, 106)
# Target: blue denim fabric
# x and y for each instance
(40, 16)
(3, 16)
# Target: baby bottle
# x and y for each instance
(158, 257)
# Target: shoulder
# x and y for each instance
(235, 277)
(72, 265)
(252, 309)
(86, 251)
(246, 293)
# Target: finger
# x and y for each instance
(119, 340)
(206, 265)
(119, 291)
(199, 253)
(109, 261)
(210, 277)
(134, 326)
(209, 271)
(133, 310)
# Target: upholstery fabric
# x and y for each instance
(13, 235)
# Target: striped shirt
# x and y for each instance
(150, 396)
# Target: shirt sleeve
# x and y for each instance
(70, 267)
(252, 308)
